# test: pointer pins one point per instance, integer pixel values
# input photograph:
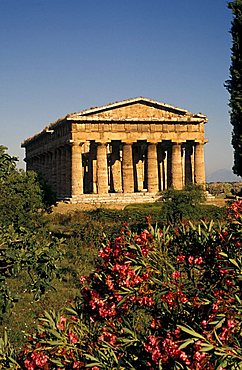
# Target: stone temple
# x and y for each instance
(130, 149)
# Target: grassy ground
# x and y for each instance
(62, 207)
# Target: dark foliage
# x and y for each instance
(234, 84)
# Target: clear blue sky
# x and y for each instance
(62, 56)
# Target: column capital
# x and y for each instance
(127, 142)
(201, 142)
(76, 143)
(150, 142)
(102, 142)
(177, 142)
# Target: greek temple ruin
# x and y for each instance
(135, 146)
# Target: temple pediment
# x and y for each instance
(127, 117)
(137, 109)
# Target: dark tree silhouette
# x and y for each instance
(234, 84)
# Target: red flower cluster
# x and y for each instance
(37, 360)
(235, 210)
(163, 349)
(156, 301)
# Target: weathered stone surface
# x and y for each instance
(199, 170)
(176, 166)
(136, 146)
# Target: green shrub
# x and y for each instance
(162, 299)
(22, 196)
(179, 204)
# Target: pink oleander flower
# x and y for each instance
(29, 365)
(176, 275)
(231, 324)
(38, 359)
(198, 261)
(199, 355)
(190, 260)
(77, 365)
(223, 271)
(182, 297)
(61, 323)
(83, 279)
(180, 258)
(73, 337)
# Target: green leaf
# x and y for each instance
(234, 262)
(206, 347)
(187, 342)
(238, 299)
(191, 332)
(55, 333)
(223, 254)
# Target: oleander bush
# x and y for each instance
(165, 298)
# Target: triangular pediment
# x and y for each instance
(140, 109)
(137, 110)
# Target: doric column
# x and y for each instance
(68, 170)
(37, 163)
(76, 169)
(199, 168)
(127, 168)
(152, 168)
(58, 172)
(176, 166)
(63, 171)
(28, 163)
(47, 168)
(53, 171)
(102, 169)
(41, 164)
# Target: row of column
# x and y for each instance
(55, 167)
(127, 167)
(178, 170)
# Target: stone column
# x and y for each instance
(41, 164)
(127, 168)
(36, 163)
(47, 168)
(58, 170)
(199, 168)
(102, 169)
(76, 169)
(28, 164)
(176, 166)
(63, 171)
(68, 170)
(152, 164)
(53, 171)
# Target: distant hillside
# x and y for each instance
(223, 175)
